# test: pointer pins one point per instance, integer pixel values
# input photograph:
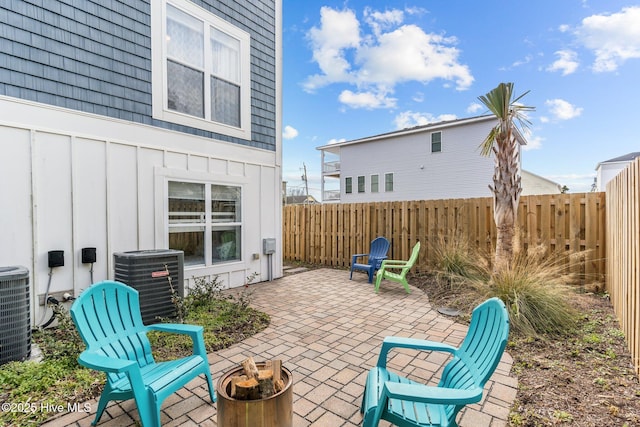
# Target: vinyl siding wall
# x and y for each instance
(458, 171)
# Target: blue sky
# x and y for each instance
(357, 68)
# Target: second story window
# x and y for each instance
(436, 142)
(200, 69)
(348, 185)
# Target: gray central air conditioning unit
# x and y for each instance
(15, 314)
(152, 273)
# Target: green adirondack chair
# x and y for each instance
(403, 267)
(405, 403)
(107, 316)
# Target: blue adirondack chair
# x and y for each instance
(396, 270)
(404, 402)
(107, 316)
(377, 253)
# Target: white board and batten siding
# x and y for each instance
(90, 181)
(458, 171)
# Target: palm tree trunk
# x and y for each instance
(506, 197)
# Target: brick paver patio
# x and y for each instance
(327, 330)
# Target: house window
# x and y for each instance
(348, 185)
(436, 142)
(200, 69)
(374, 183)
(205, 222)
(361, 184)
(388, 182)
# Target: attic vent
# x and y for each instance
(149, 272)
(15, 316)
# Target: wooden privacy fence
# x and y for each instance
(328, 234)
(623, 253)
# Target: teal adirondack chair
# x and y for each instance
(107, 316)
(404, 402)
(377, 253)
(394, 264)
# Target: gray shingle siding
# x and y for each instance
(96, 57)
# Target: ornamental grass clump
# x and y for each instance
(535, 287)
(454, 259)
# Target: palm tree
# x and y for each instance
(503, 142)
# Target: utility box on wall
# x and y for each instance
(268, 246)
(152, 273)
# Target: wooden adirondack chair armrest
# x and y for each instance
(413, 343)
(428, 394)
(90, 359)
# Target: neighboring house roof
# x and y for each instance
(298, 200)
(417, 129)
(621, 159)
(536, 184)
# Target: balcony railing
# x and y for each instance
(331, 167)
(331, 196)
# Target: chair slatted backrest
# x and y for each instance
(412, 259)
(378, 251)
(479, 355)
(107, 315)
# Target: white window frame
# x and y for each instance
(362, 180)
(159, 70)
(376, 181)
(386, 189)
(162, 178)
(348, 188)
(432, 143)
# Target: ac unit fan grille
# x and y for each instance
(15, 315)
(146, 271)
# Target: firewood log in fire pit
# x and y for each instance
(256, 383)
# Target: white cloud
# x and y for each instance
(613, 38)
(409, 119)
(339, 30)
(566, 62)
(526, 60)
(474, 107)
(379, 21)
(562, 110)
(418, 97)
(289, 132)
(335, 141)
(376, 61)
(534, 143)
(368, 100)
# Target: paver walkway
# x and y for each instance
(327, 330)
